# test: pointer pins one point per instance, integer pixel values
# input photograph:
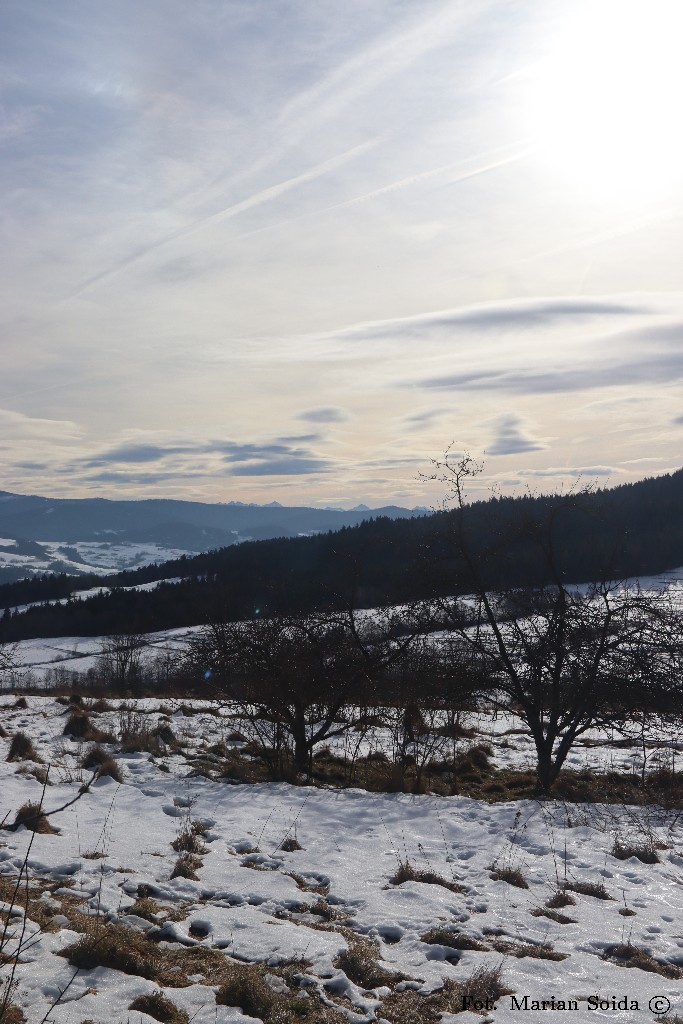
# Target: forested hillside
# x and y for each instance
(633, 529)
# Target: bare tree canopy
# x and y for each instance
(565, 658)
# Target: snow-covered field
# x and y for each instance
(255, 902)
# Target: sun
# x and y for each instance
(604, 103)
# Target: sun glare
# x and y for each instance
(605, 102)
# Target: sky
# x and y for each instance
(292, 250)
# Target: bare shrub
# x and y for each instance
(136, 735)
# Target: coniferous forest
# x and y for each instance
(633, 529)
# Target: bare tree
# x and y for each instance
(120, 658)
(294, 676)
(564, 658)
(8, 660)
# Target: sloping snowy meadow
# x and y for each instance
(307, 882)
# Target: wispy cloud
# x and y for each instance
(511, 439)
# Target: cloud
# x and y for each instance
(645, 367)
(283, 456)
(509, 439)
(572, 471)
(17, 426)
(325, 414)
(423, 420)
(527, 314)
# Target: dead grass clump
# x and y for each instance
(31, 816)
(552, 915)
(523, 949)
(513, 876)
(101, 705)
(121, 949)
(166, 734)
(94, 757)
(320, 888)
(10, 1013)
(237, 737)
(162, 1009)
(483, 987)
(410, 1007)
(248, 990)
(645, 852)
(187, 866)
(20, 704)
(561, 898)
(110, 768)
(359, 963)
(407, 873)
(188, 841)
(140, 741)
(456, 940)
(22, 749)
(595, 889)
(290, 844)
(626, 955)
(79, 725)
(474, 760)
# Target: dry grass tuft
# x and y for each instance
(644, 852)
(10, 1013)
(79, 725)
(162, 1009)
(120, 949)
(188, 841)
(595, 889)
(626, 955)
(31, 816)
(513, 876)
(111, 769)
(94, 757)
(530, 949)
(290, 844)
(247, 988)
(187, 866)
(407, 873)
(456, 940)
(561, 898)
(359, 963)
(22, 749)
(552, 915)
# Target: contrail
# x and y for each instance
(266, 195)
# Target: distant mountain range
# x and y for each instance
(77, 535)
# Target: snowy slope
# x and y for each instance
(352, 843)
